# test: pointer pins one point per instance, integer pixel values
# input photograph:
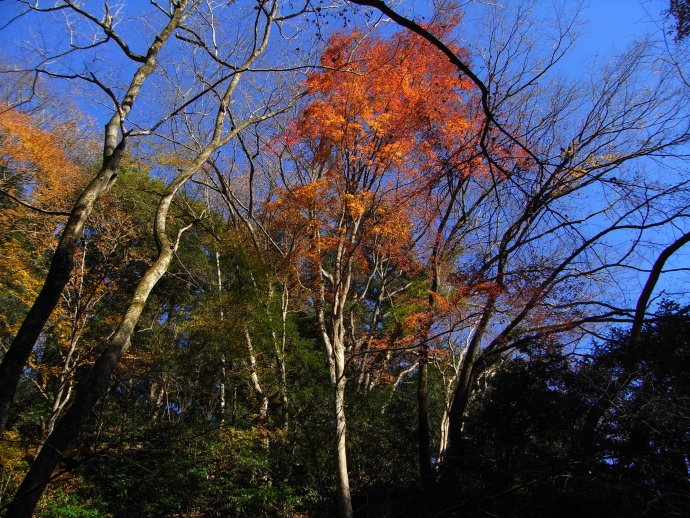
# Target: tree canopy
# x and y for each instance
(334, 258)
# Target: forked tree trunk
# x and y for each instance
(335, 350)
(456, 413)
(62, 263)
(99, 378)
(87, 394)
(445, 418)
(96, 385)
(333, 336)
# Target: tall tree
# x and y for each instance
(98, 380)
(582, 142)
(365, 148)
(114, 142)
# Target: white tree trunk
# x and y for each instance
(344, 498)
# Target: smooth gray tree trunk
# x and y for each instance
(62, 263)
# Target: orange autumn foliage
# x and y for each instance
(384, 116)
(386, 121)
(395, 103)
(33, 158)
(35, 169)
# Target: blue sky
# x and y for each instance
(610, 25)
(607, 27)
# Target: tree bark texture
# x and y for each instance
(62, 263)
(87, 394)
(344, 496)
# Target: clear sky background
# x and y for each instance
(608, 26)
(611, 23)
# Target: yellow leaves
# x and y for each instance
(14, 455)
(356, 204)
(37, 157)
(171, 160)
(611, 157)
(593, 162)
(11, 453)
(254, 436)
(36, 169)
(20, 281)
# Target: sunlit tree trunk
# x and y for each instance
(254, 377)
(344, 497)
(87, 394)
(461, 396)
(98, 381)
(333, 335)
(62, 262)
(445, 417)
(221, 384)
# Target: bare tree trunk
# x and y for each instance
(460, 399)
(344, 497)
(423, 427)
(221, 385)
(445, 419)
(96, 385)
(398, 381)
(333, 336)
(335, 350)
(256, 384)
(62, 263)
(87, 394)
(65, 388)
